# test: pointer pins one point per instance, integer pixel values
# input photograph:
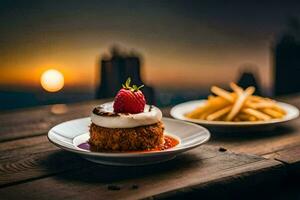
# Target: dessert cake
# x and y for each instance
(127, 123)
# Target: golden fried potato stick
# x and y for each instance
(273, 113)
(261, 104)
(238, 104)
(256, 114)
(197, 112)
(213, 108)
(210, 97)
(279, 109)
(237, 89)
(265, 103)
(204, 115)
(218, 113)
(275, 106)
(222, 93)
(243, 116)
(246, 117)
(252, 118)
(210, 106)
(257, 98)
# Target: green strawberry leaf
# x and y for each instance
(134, 88)
(128, 82)
(140, 87)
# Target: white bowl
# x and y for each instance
(70, 134)
(179, 111)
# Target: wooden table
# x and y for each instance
(229, 165)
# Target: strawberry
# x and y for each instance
(129, 99)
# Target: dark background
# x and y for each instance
(184, 46)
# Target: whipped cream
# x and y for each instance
(103, 115)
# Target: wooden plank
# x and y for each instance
(37, 121)
(289, 156)
(260, 143)
(24, 147)
(39, 160)
(38, 166)
(193, 170)
(32, 158)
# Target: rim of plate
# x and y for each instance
(175, 149)
(177, 113)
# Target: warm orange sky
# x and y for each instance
(184, 44)
(169, 69)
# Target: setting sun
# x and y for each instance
(52, 80)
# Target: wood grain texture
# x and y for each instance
(260, 143)
(31, 167)
(38, 121)
(23, 147)
(30, 160)
(198, 169)
(288, 155)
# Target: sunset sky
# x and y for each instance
(183, 43)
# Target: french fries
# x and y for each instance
(240, 101)
(239, 105)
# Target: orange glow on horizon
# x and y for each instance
(29, 74)
(80, 68)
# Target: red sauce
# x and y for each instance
(169, 143)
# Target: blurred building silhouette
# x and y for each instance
(249, 77)
(114, 71)
(287, 60)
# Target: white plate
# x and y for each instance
(70, 134)
(180, 110)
